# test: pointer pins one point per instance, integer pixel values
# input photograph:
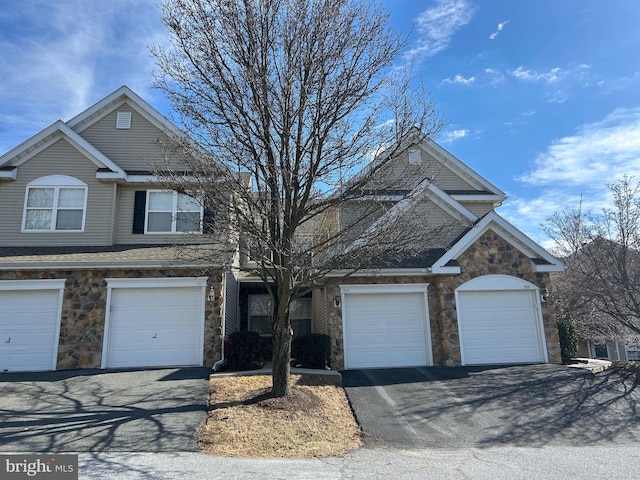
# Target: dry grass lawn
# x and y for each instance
(245, 421)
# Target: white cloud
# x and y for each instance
(459, 79)
(530, 214)
(437, 25)
(453, 135)
(598, 153)
(557, 97)
(63, 56)
(497, 32)
(576, 169)
(495, 76)
(551, 76)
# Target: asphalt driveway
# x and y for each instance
(535, 405)
(98, 411)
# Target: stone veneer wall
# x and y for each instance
(334, 315)
(490, 254)
(83, 311)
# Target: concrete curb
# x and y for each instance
(591, 364)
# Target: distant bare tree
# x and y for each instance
(600, 287)
(287, 102)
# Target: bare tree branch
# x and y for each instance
(287, 100)
(599, 291)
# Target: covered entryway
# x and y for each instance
(154, 322)
(30, 312)
(385, 326)
(500, 321)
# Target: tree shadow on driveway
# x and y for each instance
(98, 411)
(533, 405)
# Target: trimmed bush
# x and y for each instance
(244, 351)
(568, 339)
(311, 351)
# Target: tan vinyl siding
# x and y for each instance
(444, 227)
(400, 174)
(59, 159)
(136, 148)
(479, 209)
(357, 216)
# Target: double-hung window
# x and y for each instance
(261, 315)
(172, 212)
(56, 203)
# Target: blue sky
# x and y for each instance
(542, 97)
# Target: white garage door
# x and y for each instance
(384, 328)
(155, 326)
(500, 327)
(30, 327)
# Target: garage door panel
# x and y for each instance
(155, 326)
(385, 330)
(499, 327)
(29, 322)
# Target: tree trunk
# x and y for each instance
(281, 354)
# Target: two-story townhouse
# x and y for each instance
(89, 272)
(477, 297)
(87, 260)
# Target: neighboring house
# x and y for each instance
(90, 276)
(480, 298)
(610, 349)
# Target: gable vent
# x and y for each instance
(124, 120)
(415, 157)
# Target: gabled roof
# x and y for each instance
(482, 185)
(106, 168)
(483, 189)
(112, 101)
(47, 137)
(425, 189)
(541, 260)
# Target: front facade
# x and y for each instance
(479, 297)
(101, 268)
(95, 270)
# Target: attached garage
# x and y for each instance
(154, 322)
(385, 326)
(30, 312)
(500, 321)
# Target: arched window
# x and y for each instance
(55, 203)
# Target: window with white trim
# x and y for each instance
(600, 350)
(55, 203)
(172, 212)
(633, 354)
(261, 315)
(300, 316)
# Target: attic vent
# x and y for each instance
(124, 120)
(415, 158)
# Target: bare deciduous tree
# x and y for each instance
(285, 103)
(600, 287)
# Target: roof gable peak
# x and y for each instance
(541, 260)
(47, 137)
(114, 100)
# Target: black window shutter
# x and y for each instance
(139, 207)
(207, 221)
